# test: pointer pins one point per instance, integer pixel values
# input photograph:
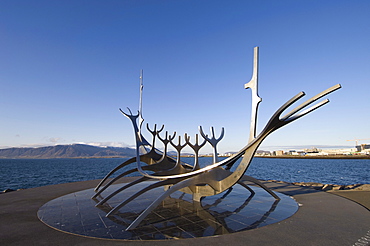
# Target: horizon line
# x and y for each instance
(123, 145)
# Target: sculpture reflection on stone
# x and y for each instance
(175, 175)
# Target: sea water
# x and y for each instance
(29, 173)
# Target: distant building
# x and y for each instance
(291, 152)
(313, 150)
(263, 153)
(278, 152)
(363, 147)
(348, 151)
(229, 153)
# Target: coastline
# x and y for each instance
(358, 193)
(77, 157)
(201, 156)
(315, 157)
(313, 185)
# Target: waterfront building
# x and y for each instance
(363, 148)
(278, 152)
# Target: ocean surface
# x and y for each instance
(28, 173)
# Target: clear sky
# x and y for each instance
(67, 66)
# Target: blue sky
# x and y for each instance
(67, 66)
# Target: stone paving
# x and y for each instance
(323, 218)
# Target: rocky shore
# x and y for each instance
(9, 190)
(328, 187)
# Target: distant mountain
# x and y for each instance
(67, 151)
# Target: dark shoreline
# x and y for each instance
(79, 157)
(256, 156)
(317, 157)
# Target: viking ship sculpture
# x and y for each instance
(175, 175)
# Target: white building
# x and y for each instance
(337, 151)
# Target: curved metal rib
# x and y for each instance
(139, 180)
(196, 147)
(213, 141)
(311, 100)
(153, 167)
(142, 191)
(112, 181)
(215, 178)
(274, 124)
(129, 161)
(257, 182)
(148, 158)
(172, 189)
(247, 187)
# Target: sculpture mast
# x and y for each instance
(253, 85)
(141, 120)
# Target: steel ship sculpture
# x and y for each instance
(174, 175)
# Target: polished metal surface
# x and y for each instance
(253, 85)
(174, 175)
(178, 217)
(213, 141)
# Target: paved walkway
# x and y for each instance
(322, 219)
(361, 197)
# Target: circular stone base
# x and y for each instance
(177, 217)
